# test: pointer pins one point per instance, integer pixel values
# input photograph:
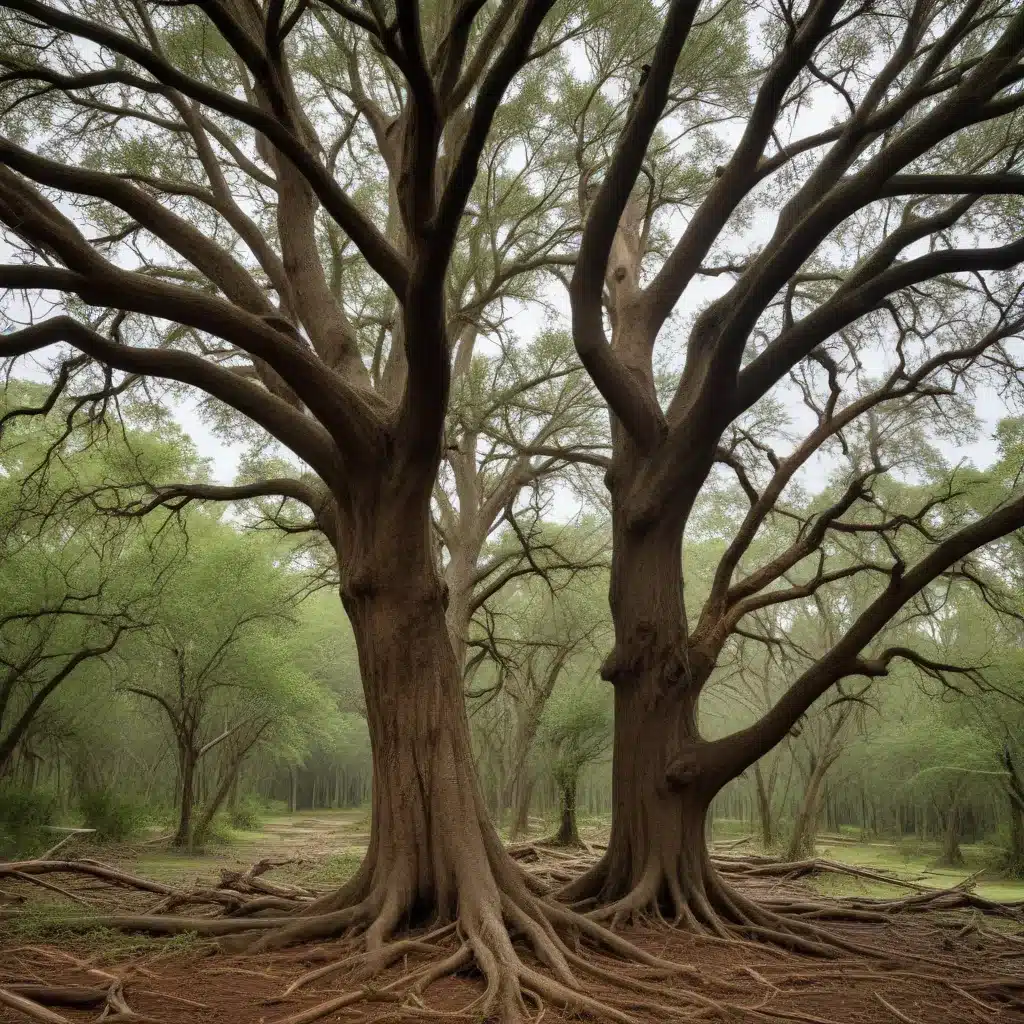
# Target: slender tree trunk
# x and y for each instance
(521, 808)
(187, 772)
(214, 804)
(293, 789)
(1015, 855)
(568, 832)
(1015, 796)
(764, 808)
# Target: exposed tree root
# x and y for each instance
(710, 906)
(529, 950)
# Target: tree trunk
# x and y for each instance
(521, 806)
(293, 789)
(952, 856)
(433, 854)
(764, 808)
(187, 770)
(214, 804)
(568, 833)
(801, 842)
(657, 854)
(1015, 855)
(664, 774)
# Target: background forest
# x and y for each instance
(185, 673)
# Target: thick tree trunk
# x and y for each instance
(657, 853)
(805, 826)
(431, 835)
(664, 774)
(951, 856)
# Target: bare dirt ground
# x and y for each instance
(930, 968)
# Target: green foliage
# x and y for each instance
(247, 815)
(23, 813)
(576, 727)
(115, 817)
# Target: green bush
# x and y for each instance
(114, 817)
(23, 813)
(247, 816)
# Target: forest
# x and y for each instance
(511, 508)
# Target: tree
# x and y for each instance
(895, 237)
(530, 636)
(73, 589)
(223, 236)
(577, 731)
(223, 677)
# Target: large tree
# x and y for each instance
(211, 190)
(870, 267)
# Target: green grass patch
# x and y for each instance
(58, 925)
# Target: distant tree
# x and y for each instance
(217, 657)
(73, 588)
(576, 732)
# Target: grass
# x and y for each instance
(52, 923)
(911, 859)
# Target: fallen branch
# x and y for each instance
(60, 996)
(30, 1008)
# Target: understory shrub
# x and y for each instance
(247, 815)
(114, 817)
(23, 815)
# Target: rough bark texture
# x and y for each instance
(568, 833)
(657, 856)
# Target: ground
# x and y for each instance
(949, 967)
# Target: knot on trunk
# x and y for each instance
(683, 770)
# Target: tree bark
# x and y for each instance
(187, 768)
(805, 827)
(568, 832)
(951, 856)
(664, 773)
(764, 808)
(433, 855)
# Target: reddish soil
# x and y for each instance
(938, 972)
